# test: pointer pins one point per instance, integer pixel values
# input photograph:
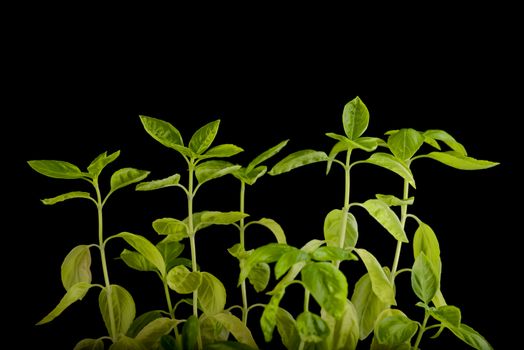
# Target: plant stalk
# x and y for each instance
(245, 307)
(421, 330)
(345, 209)
(403, 216)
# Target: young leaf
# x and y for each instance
(327, 285)
(259, 276)
(380, 282)
(328, 253)
(425, 241)
(221, 151)
(344, 333)
(368, 144)
(207, 218)
(405, 143)
(183, 281)
(265, 254)
(367, 304)
(57, 169)
(66, 196)
(268, 320)
(170, 251)
(386, 217)
(312, 328)
(332, 229)
(89, 344)
(99, 163)
(176, 229)
(211, 294)
(448, 315)
(172, 180)
(355, 118)
(123, 307)
(393, 164)
(273, 226)
(127, 176)
(136, 261)
(458, 161)
(395, 330)
(288, 259)
(443, 136)
(298, 159)
(203, 137)
(250, 177)
(236, 327)
(424, 280)
(74, 293)
(213, 169)
(76, 267)
(266, 155)
(150, 335)
(391, 200)
(146, 248)
(162, 131)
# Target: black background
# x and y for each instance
(75, 87)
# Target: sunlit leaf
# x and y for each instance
(449, 315)
(174, 228)
(395, 330)
(328, 253)
(380, 282)
(458, 161)
(265, 254)
(66, 196)
(288, 259)
(471, 337)
(385, 216)
(74, 293)
(213, 169)
(127, 176)
(146, 248)
(236, 327)
(298, 159)
(162, 131)
(203, 137)
(344, 333)
(367, 304)
(211, 294)
(170, 251)
(57, 169)
(262, 157)
(172, 180)
(268, 320)
(100, 162)
(136, 261)
(355, 118)
(76, 267)
(123, 309)
(333, 229)
(443, 136)
(250, 177)
(391, 200)
(405, 143)
(259, 276)
(274, 227)
(424, 280)
(183, 281)
(393, 164)
(221, 151)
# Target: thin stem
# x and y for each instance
(345, 209)
(101, 244)
(168, 299)
(421, 330)
(403, 216)
(242, 228)
(307, 294)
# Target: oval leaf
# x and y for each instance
(176, 229)
(312, 328)
(172, 180)
(404, 143)
(123, 307)
(162, 131)
(274, 227)
(127, 176)
(333, 225)
(183, 281)
(151, 333)
(288, 259)
(211, 294)
(136, 261)
(395, 330)
(380, 282)
(203, 137)
(393, 164)
(298, 159)
(424, 280)
(355, 118)
(259, 276)
(213, 169)
(385, 216)
(236, 327)
(74, 293)
(100, 162)
(57, 169)
(368, 305)
(146, 248)
(76, 267)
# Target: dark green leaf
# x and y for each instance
(298, 159)
(126, 343)
(89, 344)
(355, 118)
(162, 131)
(228, 345)
(190, 332)
(57, 169)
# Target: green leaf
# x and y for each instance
(288, 259)
(355, 118)
(266, 155)
(298, 159)
(424, 280)
(170, 251)
(380, 282)
(287, 329)
(274, 227)
(221, 151)
(344, 330)
(172, 180)
(76, 267)
(236, 327)
(213, 169)
(100, 162)
(74, 293)
(162, 131)
(332, 254)
(385, 216)
(228, 345)
(333, 229)
(393, 164)
(391, 200)
(471, 337)
(259, 276)
(127, 176)
(212, 331)
(327, 285)
(89, 344)
(136, 261)
(458, 161)
(395, 330)
(368, 144)
(183, 281)
(141, 321)
(126, 343)
(123, 307)
(211, 294)
(425, 241)
(443, 136)
(340, 146)
(405, 143)
(367, 304)
(448, 315)
(57, 169)
(265, 254)
(312, 328)
(268, 320)
(208, 218)
(203, 137)
(250, 177)
(190, 332)
(168, 342)
(176, 229)
(66, 196)
(146, 248)
(150, 335)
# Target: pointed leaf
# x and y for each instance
(123, 307)
(385, 216)
(458, 161)
(405, 143)
(150, 335)
(190, 333)
(268, 320)
(333, 229)
(74, 293)
(448, 315)
(425, 241)
(327, 285)
(265, 254)
(443, 136)
(170, 251)
(136, 261)
(380, 282)
(344, 333)
(312, 328)
(143, 320)
(203, 137)
(221, 151)
(183, 281)
(393, 164)
(89, 344)
(395, 330)
(328, 253)
(213, 169)
(367, 304)
(266, 155)
(236, 327)
(340, 146)
(100, 162)
(57, 169)
(76, 267)
(211, 294)
(66, 196)
(391, 200)
(146, 248)
(162, 131)
(250, 177)
(176, 229)
(298, 159)
(424, 280)
(471, 337)
(287, 329)
(355, 118)
(259, 276)
(288, 259)
(368, 144)
(274, 227)
(172, 180)
(127, 176)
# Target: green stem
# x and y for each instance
(168, 299)
(242, 228)
(345, 209)
(306, 300)
(421, 330)
(112, 323)
(403, 216)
